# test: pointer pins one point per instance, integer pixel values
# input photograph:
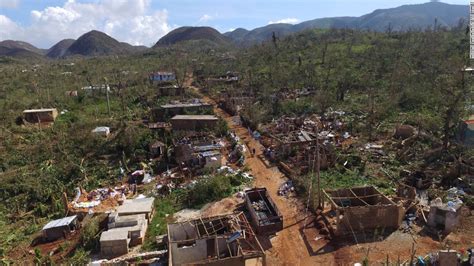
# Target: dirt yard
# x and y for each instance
(297, 246)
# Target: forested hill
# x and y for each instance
(402, 18)
(192, 33)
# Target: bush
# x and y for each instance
(90, 233)
(80, 257)
(213, 188)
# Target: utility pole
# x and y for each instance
(318, 166)
(107, 93)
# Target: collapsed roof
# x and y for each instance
(212, 239)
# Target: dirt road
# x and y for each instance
(295, 246)
(288, 247)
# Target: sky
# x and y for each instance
(142, 22)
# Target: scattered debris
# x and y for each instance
(265, 216)
(102, 131)
(225, 239)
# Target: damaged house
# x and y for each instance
(193, 122)
(198, 153)
(296, 150)
(165, 83)
(180, 108)
(292, 141)
(96, 88)
(235, 101)
(170, 90)
(161, 77)
(264, 214)
(362, 209)
(123, 232)
(126, 227)
(227, 79)
(219, 240)
(466, 132)
(40, 116)
(60, 228)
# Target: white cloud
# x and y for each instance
(8, 27)
(205, 18)
(285, 20)
(126, 20)
(9, 3)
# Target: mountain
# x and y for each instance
(59, 49)
(16, 45)
(134, 48)
(236, 34)
(96, 43)
(406, 17)
(192, 33)
(19, 49)
(19, 53)
(418, 16)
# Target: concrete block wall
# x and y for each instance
(368, 218)
(114, 248)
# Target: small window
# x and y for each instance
(187, 244)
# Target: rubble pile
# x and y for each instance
(292, 140)
(99, 200)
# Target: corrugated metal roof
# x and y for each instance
(40, 110)
(183, 105)
(209, 153)
(101, 129)
(60, 222)
(194, 117)
(207, 147)
(163, 73)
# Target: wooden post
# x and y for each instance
(412, 256)
(65, 202)
(318, 166)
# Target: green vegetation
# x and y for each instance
(212, 188)
(164, 209)
(380, 79)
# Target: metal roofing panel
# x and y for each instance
(194, 117)
(209, 153)
(182, 105)
(207, 147)
(40, 110)
(60, 222)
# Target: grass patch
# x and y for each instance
(214, 188)
(164, 209)
(208, 189)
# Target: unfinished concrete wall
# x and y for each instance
(43, 116)
(193, 124)
(443, 218)
(222, 245)
(366, 218)
(110, 248)
(192, 251)
(54, 233)
(228, 262)
(179, 232)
